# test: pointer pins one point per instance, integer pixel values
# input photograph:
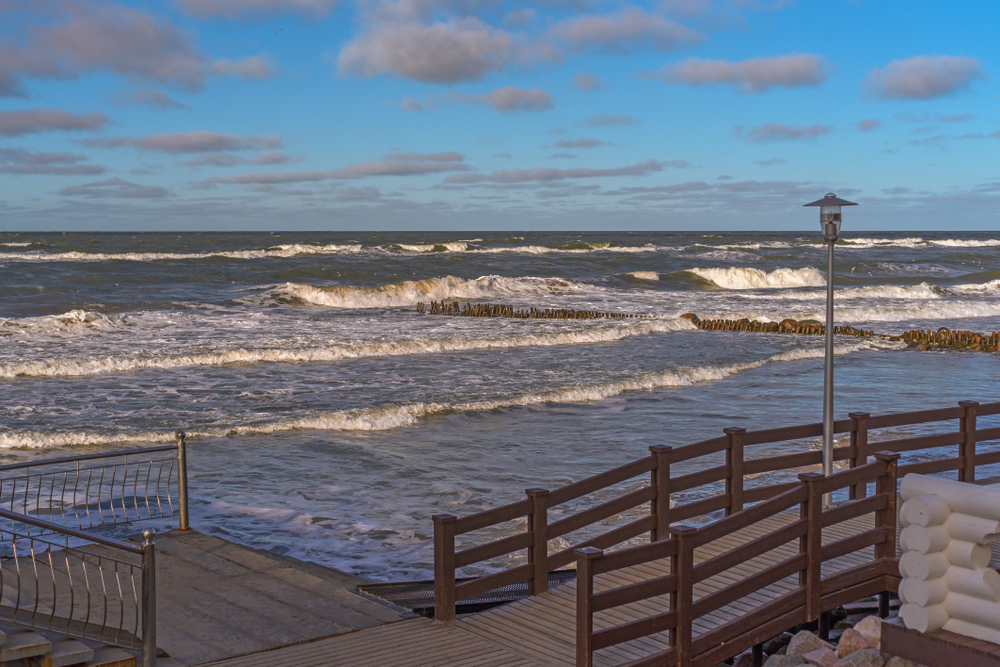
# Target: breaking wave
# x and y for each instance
(112, 364)
(72, 323)
(288, 250)
(458, 246)
(432, 289)
(396, 416)
(750, 278)
(643, 275)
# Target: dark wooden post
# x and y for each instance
(734, 459)
(813, 543)
(444, 567)
(859, 447)
(886, 518)
(584, 615)
(659, 478)
(967, 449)
(538, 552)
(683, 599)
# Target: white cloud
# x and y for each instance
(751, 76)
(923, 77)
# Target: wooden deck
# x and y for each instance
(540, 631)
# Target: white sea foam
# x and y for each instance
(19, 245)
(976, 288)
(923, 291)
(916, 242)
(592, 248)
(457, 246)
(431, 289)
(112, 364)
(396, 416)
(288, 250)
(644, 275)
(750, 278)
(72, 322)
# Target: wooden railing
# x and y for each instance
(728, 462)
(812, 595)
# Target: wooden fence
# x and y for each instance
(813, 595)
(736, 445)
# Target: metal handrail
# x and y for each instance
(72, 532)
(87, 457)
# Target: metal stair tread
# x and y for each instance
(25, 644)
(109, 656)
(65, 652)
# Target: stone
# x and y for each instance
(851, 641)
(871, 629)
(804, 642)
(744, 659)
(691, 317)
(821, 657)
(896, 661)
(868, 657)
(784, 661)
(772, 645)
(843, 624)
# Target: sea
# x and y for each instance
(328, 420)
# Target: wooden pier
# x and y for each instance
(691, 596)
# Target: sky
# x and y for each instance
(464, 115)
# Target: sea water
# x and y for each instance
(328, 420)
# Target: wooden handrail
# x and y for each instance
(724, 478)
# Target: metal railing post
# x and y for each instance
(584, 611)
(659, 507)
(967, 449)
(148, 599)
(182, 481)
(444, 567)
(734, 459)
(538, 552)
(859, 447)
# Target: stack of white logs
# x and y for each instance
(946, 581)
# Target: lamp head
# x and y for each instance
(829, 214)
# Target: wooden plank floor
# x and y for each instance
(540, 631)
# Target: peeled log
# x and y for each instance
(973, 610)
(967, 629)
(983, 584)
(923, 566)
(925, 540)
(923, 619)
(968, 555)
(923, 593)
(927, 510)
(960, 497)
(972, 528)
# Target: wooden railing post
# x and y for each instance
(659, 507)
(444, 567)
(859, 445)
(538, 552)
(584, 613)
(886, 517)
(967, 449)
(682, 600)
(812, 544)
(734, 459)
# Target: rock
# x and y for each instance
(787, 325)
(843, 624)
(691, 317)
(896, 661)
(851, 641)
(821, 657)
(744, 659)
(784, 661)
(804, 642)
(869, 657)
(772, 645)
(871, 629)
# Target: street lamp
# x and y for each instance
(829, 222)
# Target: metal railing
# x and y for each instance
(109, 488)
(57, 575)
(99, 589)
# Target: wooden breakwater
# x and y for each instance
(925, 340)
(500, 310)
(786, 326)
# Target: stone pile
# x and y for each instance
(501, 310)
(857, 645)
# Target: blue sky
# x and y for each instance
(455, 114)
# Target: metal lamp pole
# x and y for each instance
(829, 220)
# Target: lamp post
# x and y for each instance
(829, 222)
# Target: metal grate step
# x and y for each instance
(419, 595)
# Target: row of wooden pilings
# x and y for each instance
(946, 339)
(786, 326)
